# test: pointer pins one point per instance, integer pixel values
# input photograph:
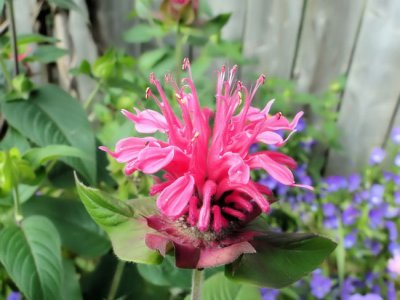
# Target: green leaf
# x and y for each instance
(151, 58)
(47, 54)
(35, 38)
(166, 274)
(71, 289)
(51, 116)
(281, 259)
(78, 232)
(142, 33)
(14, 139)
(31, 255)
(123, 223)
(218, 287)
(38, 156)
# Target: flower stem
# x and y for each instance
(17, 212)
(11, 17)
(116, 280)
(92, 96)
(197, 281)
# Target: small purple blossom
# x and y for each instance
(269, 182)
(329, 209)
(269, 294)
(354, 182)
(392, 230)
(254, 148)
(377, 156)
(347, 288)
(307, 144)
(374, 246)
(396, 197)
(376, 194)
(365, 297)
(350, 215)
(301, 125)
(391, 291)
(387, 176)
(14, 296)
(331, 222)
(397, 160)
(395, 135)
(376, 216)
(335, 183)
(320, 285)
(350, 239)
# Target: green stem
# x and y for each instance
(17, 211)
(197, 281)
(11, 17)
(92, 96)
(7, 75)
(116, 280)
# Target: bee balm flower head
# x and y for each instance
(206, 194)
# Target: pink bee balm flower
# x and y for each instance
(206, 194)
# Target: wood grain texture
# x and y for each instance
(271, 34)
(328, 35)
(235, 28)
(373, 87)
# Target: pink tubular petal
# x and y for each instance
(234, 213)
(270, 138)
(278, 171)
(174, 199)
(213, 257)
(280, 158)
(239, 201)
(147, 121)
(209, 190)
(219, 222)
(193, 216)
(128, 149)
(153, 159)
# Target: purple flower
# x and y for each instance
(376, 289)
(391, 291)
(14, 296)
(335, 183)
(329, 209)
(354, 181)
(376, 194)
(301, 125)
(392, 230)
(394, 248)
(395, 135)
(365, 297)
(350, 215)
(269, 182)
(309, 197)
(347, 288)
(377, 156)
(320, 285)
(350, 239)
(396, 197)
(376, 216)
(387, 176)
(374, 246)
(307, 144)
(396, 179)
(269, 294)
(254, 148)
(397, 160)
(331, 222)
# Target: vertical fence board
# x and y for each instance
(373, 87)
(328, 35)
(235, 28)
(271, 34)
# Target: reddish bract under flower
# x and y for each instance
(206, 194)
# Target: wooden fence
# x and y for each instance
(309, 41)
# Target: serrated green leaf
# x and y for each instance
(281, 259)
(38, 156)
(123, 223)
(51, 116)
(77, 230)
(142, 33)
(218, 287)
(31, 255)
